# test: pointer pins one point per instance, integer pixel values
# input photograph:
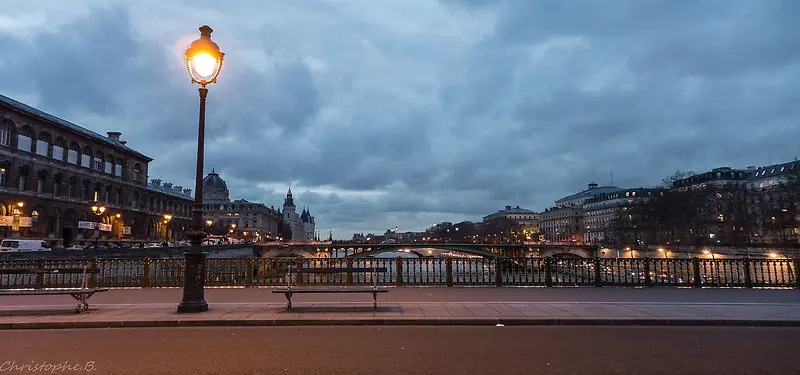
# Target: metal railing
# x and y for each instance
(547, 272)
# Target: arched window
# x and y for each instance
(98, 161)
(25, 139)
(118, 167)
(58, 149)
(86, 158)
(108, 167)
(6, 131)
(43, 144)
(137, 172)
(74, 153)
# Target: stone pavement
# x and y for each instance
(416, 306)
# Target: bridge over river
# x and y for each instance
(527, 250)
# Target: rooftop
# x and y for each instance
(76, 128)
(593, 190)
(776, 170)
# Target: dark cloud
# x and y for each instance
(407, 115)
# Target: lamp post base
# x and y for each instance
(193, 306)
(193, 292)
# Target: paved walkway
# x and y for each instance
(416, 306)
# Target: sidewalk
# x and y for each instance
(416, 306)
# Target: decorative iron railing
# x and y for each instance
(547, 272)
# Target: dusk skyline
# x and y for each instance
(386, 114)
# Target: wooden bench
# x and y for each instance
(81, 294)
(290, 289)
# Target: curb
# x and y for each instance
(402, 322)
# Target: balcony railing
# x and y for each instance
(546, 272)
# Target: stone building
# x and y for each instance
(53, 171)
(246, 220)
(716, 207)
(511, 223)
(565, 221)
(773, 202)
(604, 215)
(302, 226)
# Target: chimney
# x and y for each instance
(187, 192)
(168, 187)
(178, 189)
(114, 136)
(155, 182)
(123, 143)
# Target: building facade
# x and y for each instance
(716, 207)
(511, 223)
(302, 226)
(605, 215)
(565, 221)
(773, 203)
(52, 172)
(240, 218)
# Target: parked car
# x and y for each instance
(23, 245)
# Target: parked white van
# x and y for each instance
(24, 245)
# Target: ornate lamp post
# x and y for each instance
(15, 223)
(204, 62)
(167, 218)
(99, 211)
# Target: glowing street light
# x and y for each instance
(204, 63)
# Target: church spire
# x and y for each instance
(289, 202)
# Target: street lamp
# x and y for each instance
(167, 218)
(204, 62)
(99, 211)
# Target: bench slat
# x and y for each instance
(328, 289)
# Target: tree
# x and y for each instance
(667, 182)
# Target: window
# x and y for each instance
(58, 149)
(24, 140)
(72, 154)
(86, 158)
(40, 185)
(21, 183)
(98, 161)
(5, 132)
(2, 177)
(109, 166)
(43, 144)
(118, 168)
(137, 172)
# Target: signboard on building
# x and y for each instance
(126, 230)
(93, 225)
(8, 221)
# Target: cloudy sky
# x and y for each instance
(384, 113)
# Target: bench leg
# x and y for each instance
(374, 301)
(288, 301)
(83, 304)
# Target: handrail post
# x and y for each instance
(797, 273)
(598, 282)
(147, 272)
(248, 281)
(349, 263)
(648, 280)
(448, 266)
(748, 281)
(398, 270)
(548, 272)
(39, 283)
(696, 271)
(96, 275)
(498, 272)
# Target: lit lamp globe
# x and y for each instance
(204, 59)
